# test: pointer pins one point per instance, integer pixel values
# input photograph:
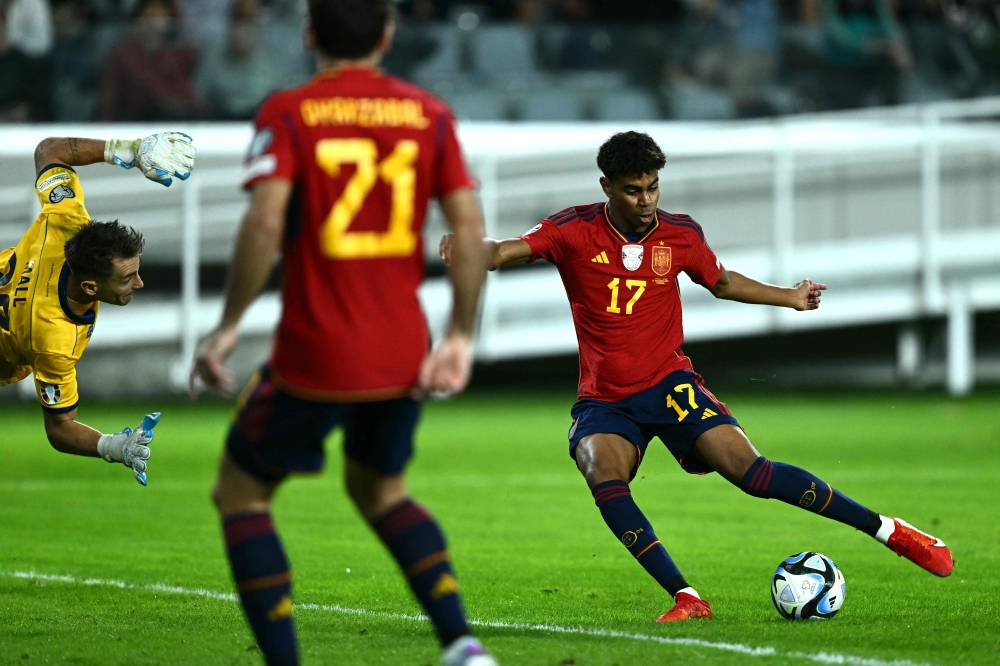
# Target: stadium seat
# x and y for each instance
(479, 105)
(447, 57)
(627, 105)
(500, 50)
(553, 105)
(701, 103)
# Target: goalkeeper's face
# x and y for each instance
(117, 289)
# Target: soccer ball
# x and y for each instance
(808, 586)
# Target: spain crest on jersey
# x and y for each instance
(632, 256)
(661, 259)
(50, 393)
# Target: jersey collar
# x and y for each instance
(87, 317)
(334, 72)
(618, 234)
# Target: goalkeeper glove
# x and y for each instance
(129, 447)
(159, 156)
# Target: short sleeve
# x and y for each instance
(272, 150)
(60, 193)
(451, 173)
(546, 241)
(701, 264)
(55, 382)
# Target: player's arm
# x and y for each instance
(257, 245)
(733, 286)
(497, 253)
(129, 447)
(448, 368)
(160, 156)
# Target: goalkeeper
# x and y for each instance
(53, 282)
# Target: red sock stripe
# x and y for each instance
(601, 498)
(767, 479)
(246, 527)
(401, 519)
(762, 477)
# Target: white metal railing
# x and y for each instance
(931, 271)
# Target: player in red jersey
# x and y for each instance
(340, 172)
(619, 261)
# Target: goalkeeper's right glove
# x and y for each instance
(129, 447)
(159, 156)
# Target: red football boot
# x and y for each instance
(920, 548)
(686, 607)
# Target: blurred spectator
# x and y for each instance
(205, 21)
(76, 56)
(147, 73)
(978, 22)
(754, 57)
(944, 65)
(236, 75)
(866, 53)
(29, 26)
(24, 82)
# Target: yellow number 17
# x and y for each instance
(397, 170)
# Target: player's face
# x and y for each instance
(633, 199)
(118, 289)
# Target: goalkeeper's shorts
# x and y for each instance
(275, 434)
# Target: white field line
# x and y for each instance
(817, 657)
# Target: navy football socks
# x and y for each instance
(620, 512)
(416, 541)
(264, 582)
(794, 485)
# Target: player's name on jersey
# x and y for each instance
(364, 112)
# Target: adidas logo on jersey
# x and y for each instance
(708, 414)
(602, 258)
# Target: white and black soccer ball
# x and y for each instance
(808, 586)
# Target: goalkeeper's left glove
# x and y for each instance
(159, 156)
(129, 447)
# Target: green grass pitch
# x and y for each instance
(528, 543)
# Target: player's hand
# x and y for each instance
(160, 156)
(447, 369)
(444, 249)
(807, 295)
(209, 359)
(130, 447)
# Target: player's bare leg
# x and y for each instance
(417, 543)
(608, 462)
(727, 450)
(260, 568)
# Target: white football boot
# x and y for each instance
(467, 651)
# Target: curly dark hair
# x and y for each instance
(92, 250)
(349, 29)
(629, 154)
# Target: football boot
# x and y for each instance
(686, 607)
(920, 548)
(467, 651)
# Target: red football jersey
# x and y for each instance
(624, 295)
(365, 151)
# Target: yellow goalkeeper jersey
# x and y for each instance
(41, 329)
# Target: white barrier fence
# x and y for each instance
(898, 210)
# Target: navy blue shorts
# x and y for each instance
(275, 434)
(677, 410)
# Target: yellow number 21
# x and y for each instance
(397, 170)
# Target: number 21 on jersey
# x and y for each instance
(397, 170)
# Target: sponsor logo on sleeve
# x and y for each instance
(261, 142)
(533, 229)
(51, 394)
(60, 177)
(264, 165)
(632, 256)
(61, 192)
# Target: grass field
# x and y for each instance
(529, 545)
